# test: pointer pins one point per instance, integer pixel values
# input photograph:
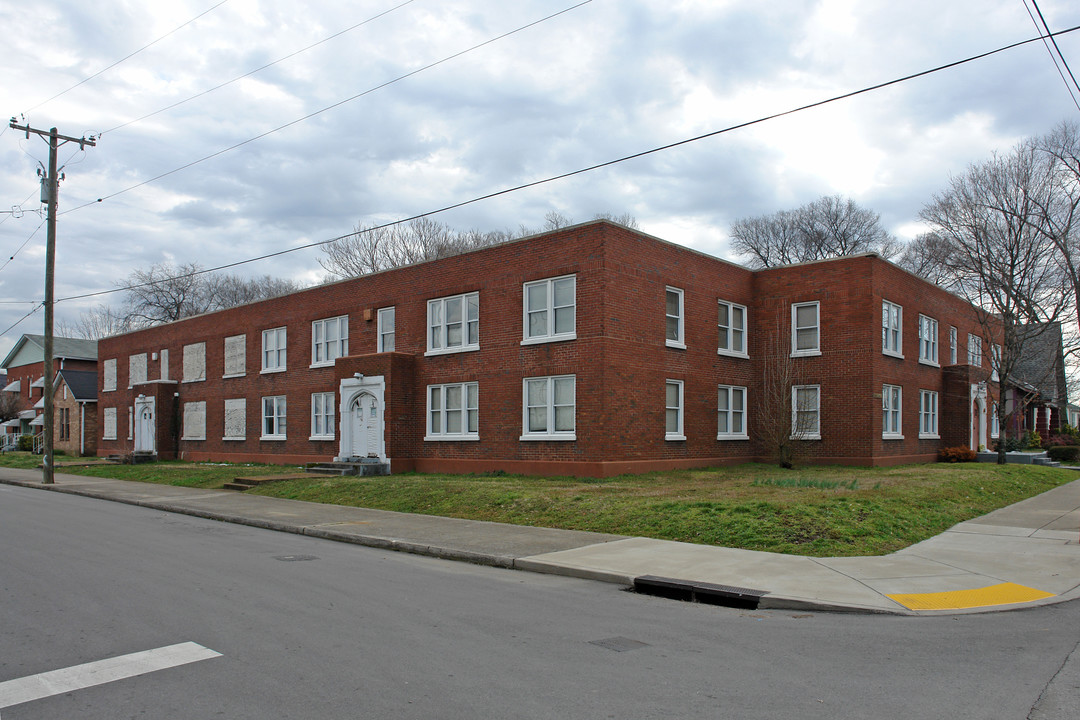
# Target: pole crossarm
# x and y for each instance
(83, 141)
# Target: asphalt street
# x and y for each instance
(309, 628)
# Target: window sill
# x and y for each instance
(193, 381)
(235, 375)
(272, 437)
(324, 364)
(674, 437)
(234, 439)
(549, 339)
(925, 436)
(930, 363)
(556, 437)
(732, 353)
(271, 371)
(806, 353)
(732, 437)
(893, 354)
(191, 439)
(113, 438)
(322, 438)
(675, 344)
(891, 436)
(451, 438)
(453, 351)
(815, 436)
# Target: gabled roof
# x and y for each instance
(1042, 364)
(82, 384)
(31, 348)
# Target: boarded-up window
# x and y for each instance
(235, 419)
(195, 420)
(108, 371)
(195, 362)
(108, 422)
(136, 369)
(235, 355)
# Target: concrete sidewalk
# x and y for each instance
(1022, 555)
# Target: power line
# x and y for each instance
(19, 322)
(258, 69)
(1054, 58)
(126, 57)
(590, 168)
(25, 242)
(329, 107)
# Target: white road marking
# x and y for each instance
(57, 682)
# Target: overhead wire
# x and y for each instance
(625, 158)
(125, 58)
(20, 321)
(328, 107)
(258, 69)
(1053, 57)
(25, 243)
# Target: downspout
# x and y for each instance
(82, 429)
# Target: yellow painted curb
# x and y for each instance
(1003, 594)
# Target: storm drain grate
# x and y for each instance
(294, 558)
(619, 644)
(701, 592)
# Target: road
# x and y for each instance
(296, 627)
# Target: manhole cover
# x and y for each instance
(619, 644)
(294, 558)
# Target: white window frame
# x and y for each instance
(892, 329)
(952, 345)
(679, 341)
(995, 361)
(277, 416)
(995, 428)
(438, 412)
(928, 414)
(795, 328)
(975, 350)
(442, 326)
(387, 323)
(815, 410)
(730, 413)
(550, 310)
(324, 352)
(275, 345)
(322, 416)
(730, 331)
(679, 409)
(892, 405)
(928, 340)
(551, 433)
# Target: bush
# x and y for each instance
(1062, 441)
(1064, 453)
(26, 443)
(957, 454)
(1033, 440)
(1011, 444)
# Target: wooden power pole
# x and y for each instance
(52, 184)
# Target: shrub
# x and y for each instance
(957, 454)
(1011, 444)
(26, 443)
(1064, 453)
(1062, 440)
(1033, 440)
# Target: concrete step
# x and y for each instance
(363, 467)
(246, 483)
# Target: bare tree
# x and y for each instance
(232, 290)
(788, 413)
(98, 322)
(999, 258)
(929, 256)
(165, 293)
(9, 406)
(1060, 209)
(828, 227)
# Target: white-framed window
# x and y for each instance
(995, 361)
(194, 362)
(805, 330)
(549, 408)
(952, 345)
(235, 356)
(454, 324)
(136, 369)
(273, 418)
(806, 412)
(892, 320)
(165, 364)
(550, 309)
(329, 340)
(928, 340)
(674, 312)
(731, 323)
(235, 419)
(731, 413)
(108, 374)
(974, 350)
(673, 421)
(322, 416)
(273, 350)
(131, 423)
(928, 414)
(194, 420)
(995, 427)
(891, 427)
(108, 423)
(453, 412)
(386, 330)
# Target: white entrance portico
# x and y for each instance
(362, 424)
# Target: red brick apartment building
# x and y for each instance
(592, 350)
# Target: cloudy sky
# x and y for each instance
(405, 115)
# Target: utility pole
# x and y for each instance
(52, 183)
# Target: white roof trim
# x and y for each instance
(39, 421)
(27, 414)
(15, 387)
(40, 404)
(11, 423)
(40, 382)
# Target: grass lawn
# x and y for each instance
(817, 511)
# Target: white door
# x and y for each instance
(366, 426)
(144, 426)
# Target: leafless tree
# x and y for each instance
(232, 290)
(9, 406)
(999, 257)
(1060, 209)
(785, 418)
(929, 256)
(828, 227)
(165, 293)
(98, 322)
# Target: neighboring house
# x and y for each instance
(75, 403)
(591, 350)
(1039, 397)
(26, 377)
